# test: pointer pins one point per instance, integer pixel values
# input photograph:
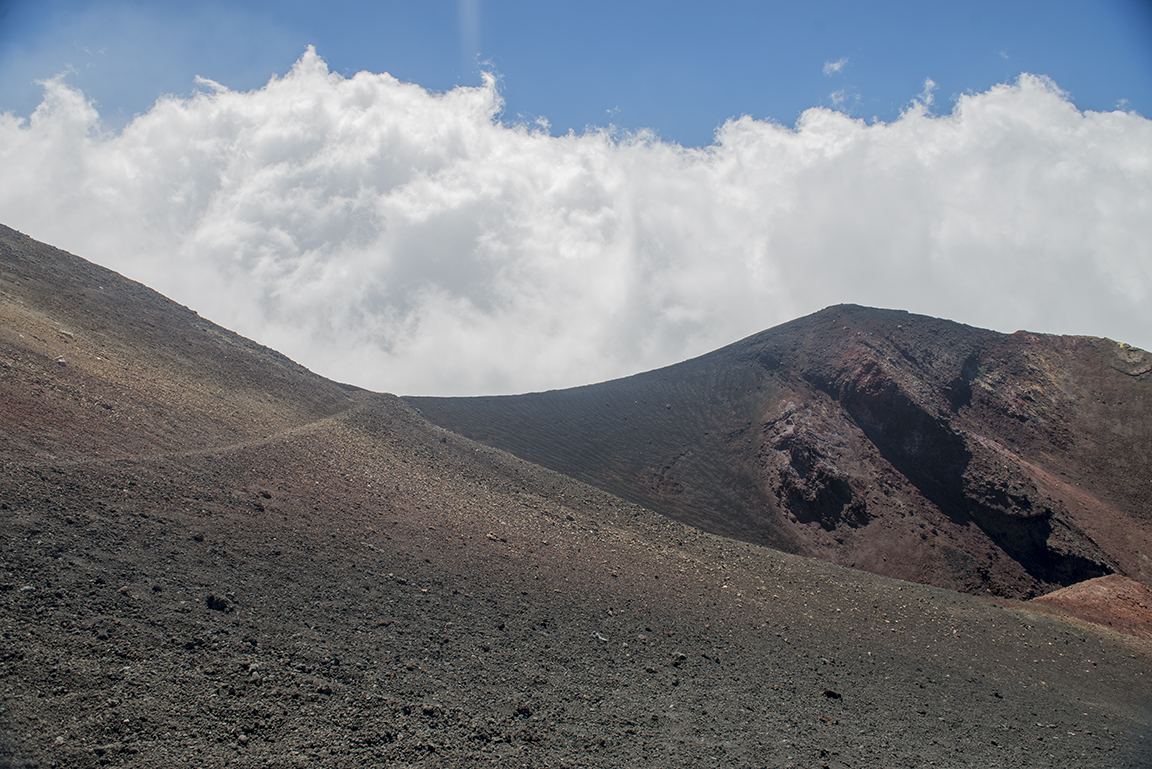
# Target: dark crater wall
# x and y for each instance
(901, 444)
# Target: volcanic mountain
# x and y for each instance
(210, 556)
(917, 448)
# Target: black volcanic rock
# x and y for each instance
(904, 445)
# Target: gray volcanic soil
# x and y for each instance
(212, 557)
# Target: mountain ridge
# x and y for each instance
(211, 557)
(801, 436)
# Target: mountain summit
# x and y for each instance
(918, 448)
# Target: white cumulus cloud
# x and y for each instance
(413, 242)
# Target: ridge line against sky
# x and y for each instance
(433, 239)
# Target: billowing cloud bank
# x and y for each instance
(412, 242)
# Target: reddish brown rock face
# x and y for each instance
(907, 446)
(1113, 601)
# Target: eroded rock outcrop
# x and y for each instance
(909, 446)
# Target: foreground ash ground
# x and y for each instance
(212, 557)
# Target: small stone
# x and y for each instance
(216, 603)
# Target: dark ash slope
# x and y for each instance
(903, 445)
(212, 557)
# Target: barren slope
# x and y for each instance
(904, 445)
(241, 563)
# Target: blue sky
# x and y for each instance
(678, 68)
(463, 225)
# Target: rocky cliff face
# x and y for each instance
(904, 445)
